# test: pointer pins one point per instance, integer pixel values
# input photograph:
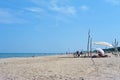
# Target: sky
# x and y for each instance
(55, 26)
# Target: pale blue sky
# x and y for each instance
(56, 25)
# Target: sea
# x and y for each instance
(13, 55)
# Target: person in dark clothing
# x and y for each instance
(78, 54)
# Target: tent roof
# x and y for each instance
(103, 44)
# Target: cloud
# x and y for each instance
(70, 10)
(59, 6)
(84, 8)
(61, 10)
(34, 9)
(113, 2)
(62, 7)
(7, 17)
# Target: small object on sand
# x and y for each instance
(33, 56)
(81, 78)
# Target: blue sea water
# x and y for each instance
(11, 55)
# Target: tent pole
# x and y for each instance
(88, 44)
(91, 46)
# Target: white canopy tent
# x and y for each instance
(103, 44)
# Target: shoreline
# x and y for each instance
(27, 55)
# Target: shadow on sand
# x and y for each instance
(72, 56)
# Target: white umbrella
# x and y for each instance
(103, 44)
(100, 50)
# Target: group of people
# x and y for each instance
(77, 53)
(100, 53)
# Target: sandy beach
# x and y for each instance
(62, 67)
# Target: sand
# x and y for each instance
(62, 67)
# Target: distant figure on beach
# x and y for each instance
(100, 53)
(81, 53)
(78, 54)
